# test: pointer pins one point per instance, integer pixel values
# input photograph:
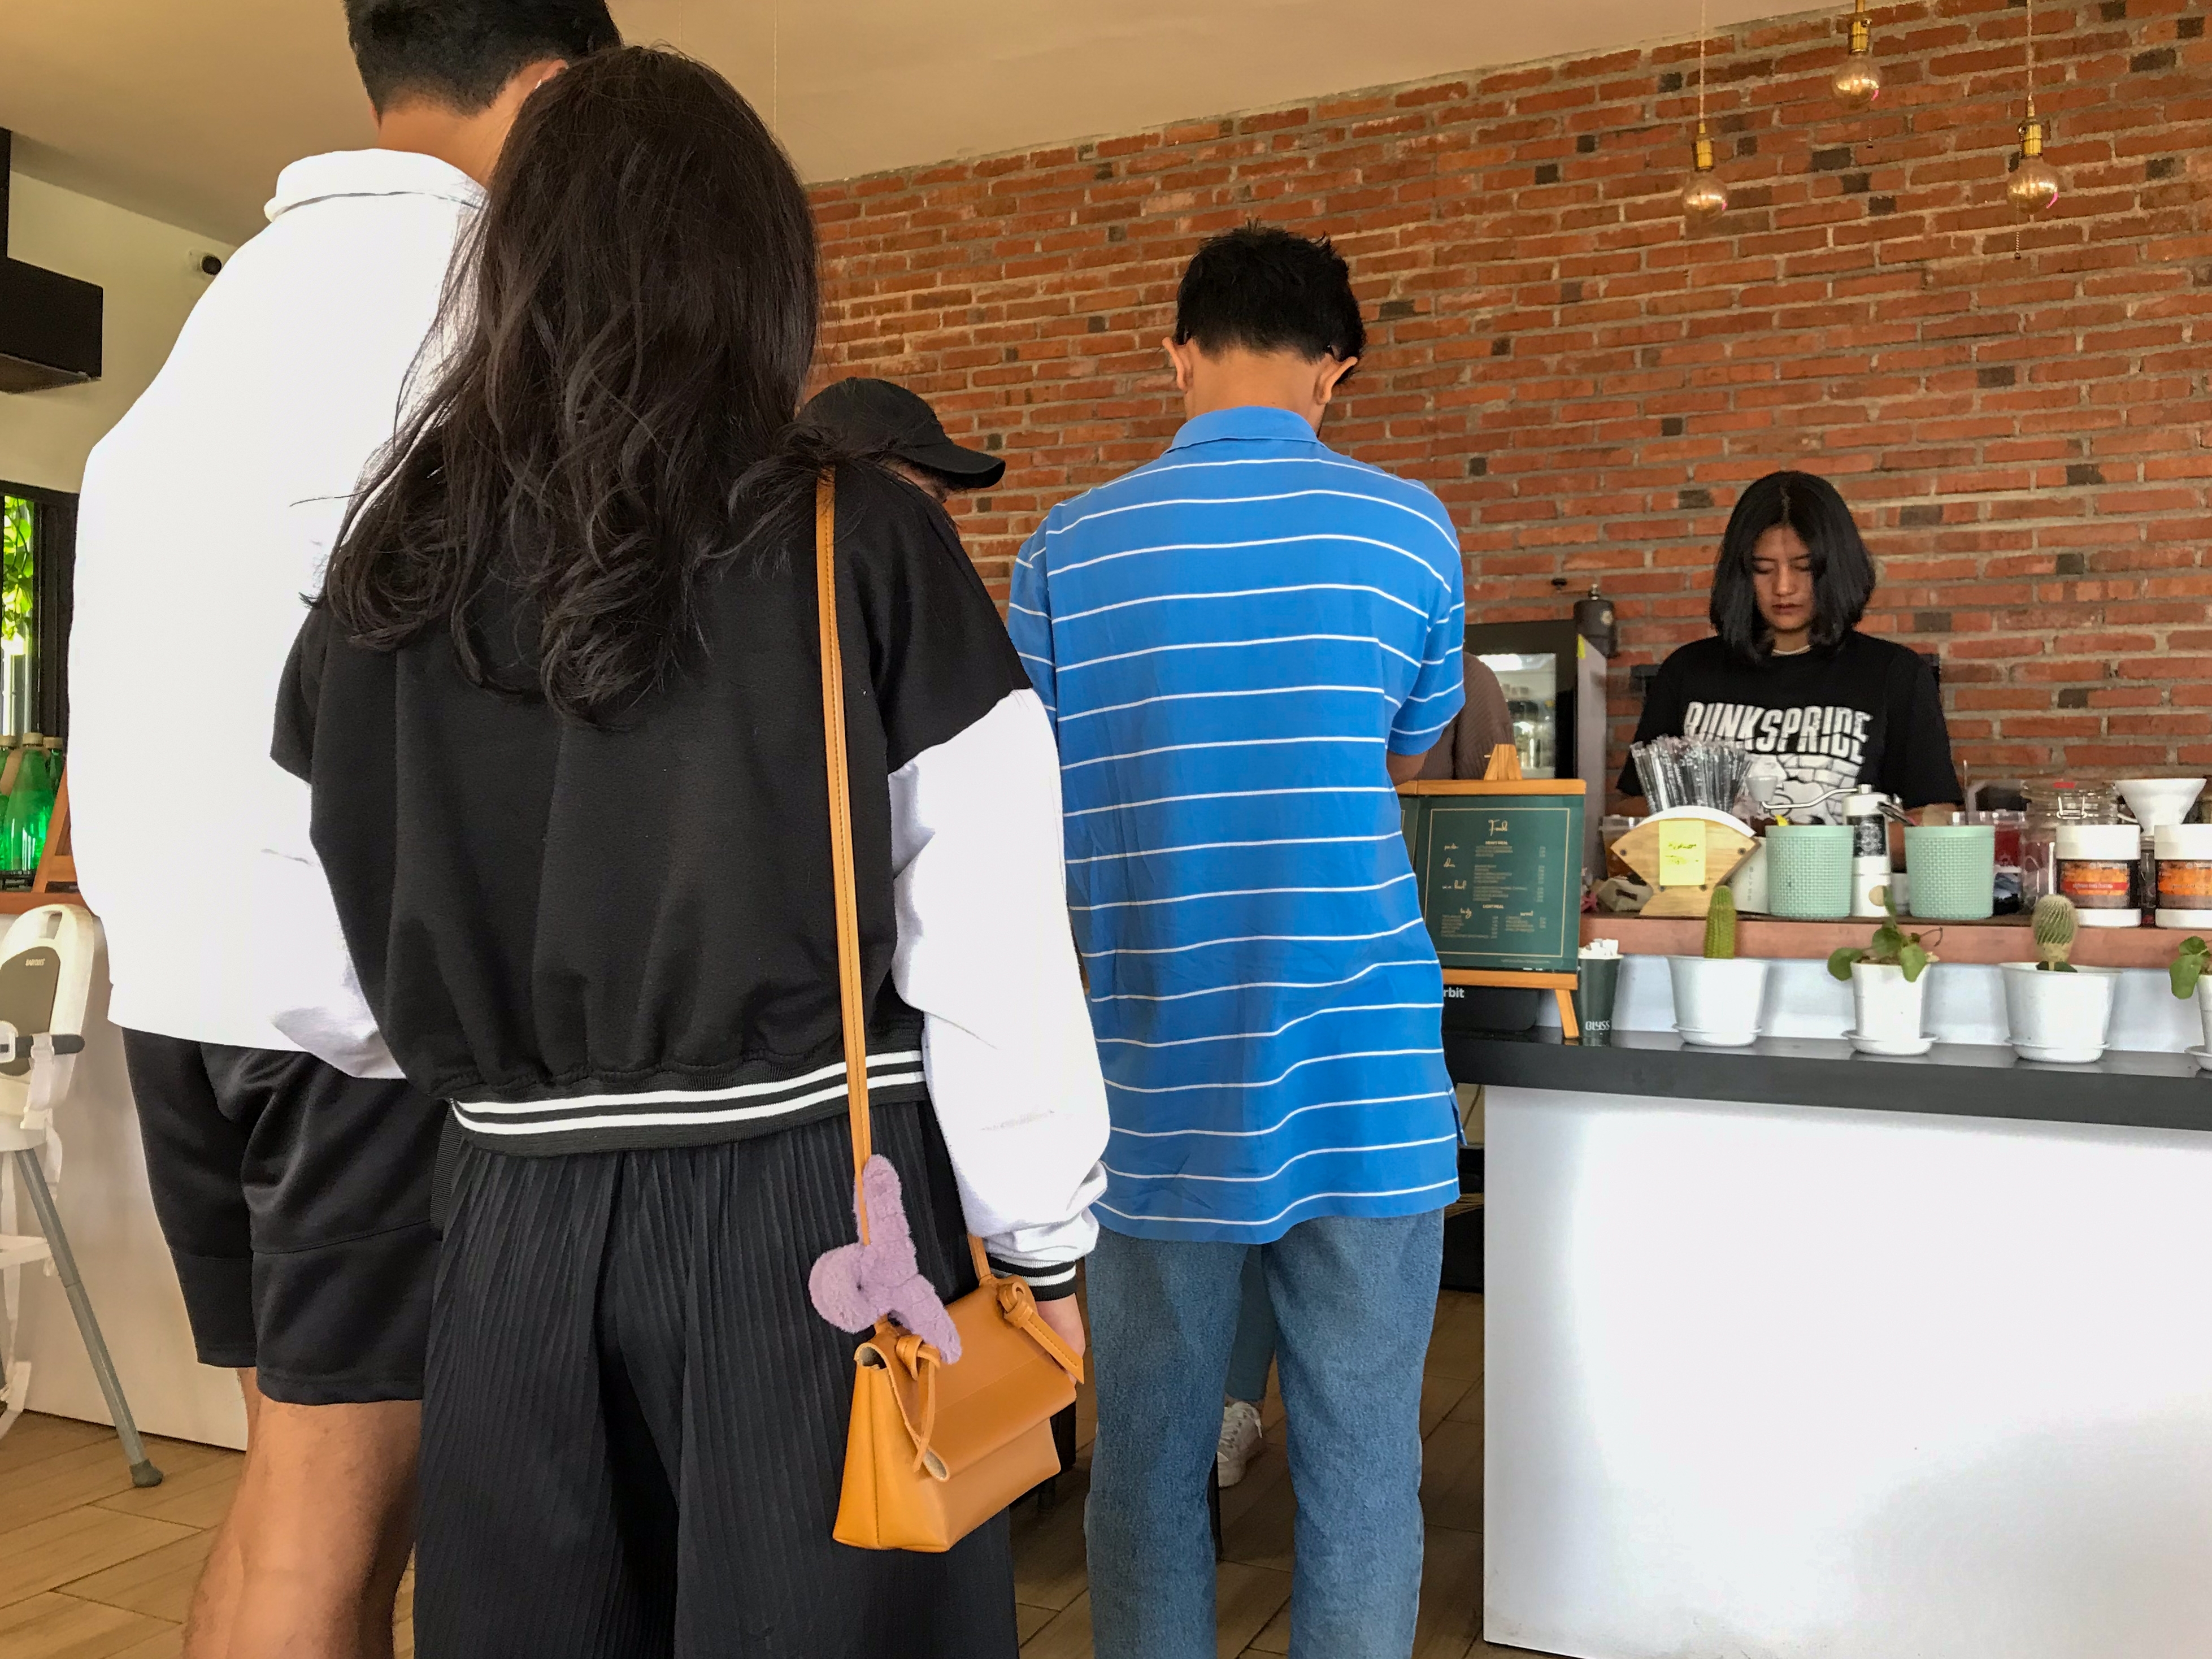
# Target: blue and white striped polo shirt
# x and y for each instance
(1228, 640)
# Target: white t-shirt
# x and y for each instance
(207, 515)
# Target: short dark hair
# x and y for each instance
(1843, 572)
(1266, 288)
(461, 53)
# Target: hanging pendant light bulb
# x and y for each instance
(1858, 83)
(1704, 197)
(2034, 185)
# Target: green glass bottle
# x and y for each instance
(30, 802)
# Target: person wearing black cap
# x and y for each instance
(900, 430)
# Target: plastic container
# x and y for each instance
(2185, 875)
(2097, 870)
(2010, 828)
(1808, 872)
(1953, 870)
(1748, 883)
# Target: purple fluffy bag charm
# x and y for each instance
(855, 1285)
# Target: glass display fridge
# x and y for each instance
(1554, 684)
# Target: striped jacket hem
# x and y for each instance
(601, 1121)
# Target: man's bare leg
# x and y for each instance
(327, 1509)
(214, 1599)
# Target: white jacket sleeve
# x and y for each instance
(309, 986)
(986, 957)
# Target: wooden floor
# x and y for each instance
(91, 1569)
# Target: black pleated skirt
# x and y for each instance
(634, 1423)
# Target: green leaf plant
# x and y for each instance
(1890, 947)
(2189, 966)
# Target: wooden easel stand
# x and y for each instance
(1504, 768)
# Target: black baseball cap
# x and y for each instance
(878, 415)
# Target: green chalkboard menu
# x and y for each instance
(1500, 874)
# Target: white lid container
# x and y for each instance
(2099, 841)
(2190, 919)
(2184, 841)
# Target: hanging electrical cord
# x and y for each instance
(2034, 185)
(1704, 197)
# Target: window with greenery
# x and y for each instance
(37, 547)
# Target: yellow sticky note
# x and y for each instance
(1682, 854)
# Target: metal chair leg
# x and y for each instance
(143, 1472)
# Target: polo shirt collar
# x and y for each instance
(1249, 420)
(370, 173)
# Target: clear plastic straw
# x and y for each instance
(1691, 772)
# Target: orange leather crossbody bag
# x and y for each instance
(934, 1449)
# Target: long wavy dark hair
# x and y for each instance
(632, 331)
(1843, 573)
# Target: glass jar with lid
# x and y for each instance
(2052, 802)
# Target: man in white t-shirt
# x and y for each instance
(295, 1196)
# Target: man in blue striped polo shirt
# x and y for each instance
(1244, 644)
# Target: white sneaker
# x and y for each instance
(1240, 1440)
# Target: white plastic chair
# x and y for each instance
(46, 979)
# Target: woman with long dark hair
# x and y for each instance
(559, 707)
(1788, 675)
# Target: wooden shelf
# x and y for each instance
(14, 904)
(2003, 939)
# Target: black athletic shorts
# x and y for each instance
(296, 1204)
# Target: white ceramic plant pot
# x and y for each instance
(2204, 1006)
(2059, 1017)
(1717, 1003)
(1887, 1004)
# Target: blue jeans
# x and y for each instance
(1353, 1298)
(1254, 1351)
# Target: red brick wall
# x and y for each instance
(2019, 414)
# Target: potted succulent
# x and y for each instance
(1888, 982)
(1718, 994)
(2189, 978)
(2057, 1012)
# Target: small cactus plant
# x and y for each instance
(1720, 927)
(2055, 925)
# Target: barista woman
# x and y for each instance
(1787, 674)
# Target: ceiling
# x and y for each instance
(187, 111)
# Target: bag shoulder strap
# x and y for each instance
(840, 853)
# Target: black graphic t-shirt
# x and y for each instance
(1867, 712)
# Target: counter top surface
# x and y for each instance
(1954, 1079)
(2003, 939)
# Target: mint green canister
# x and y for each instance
(1953, 868)
(1808, 872)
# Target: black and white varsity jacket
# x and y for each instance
(595, 940)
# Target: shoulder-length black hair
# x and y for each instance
(631, 337)
(1843, 572)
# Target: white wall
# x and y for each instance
(143, 266)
